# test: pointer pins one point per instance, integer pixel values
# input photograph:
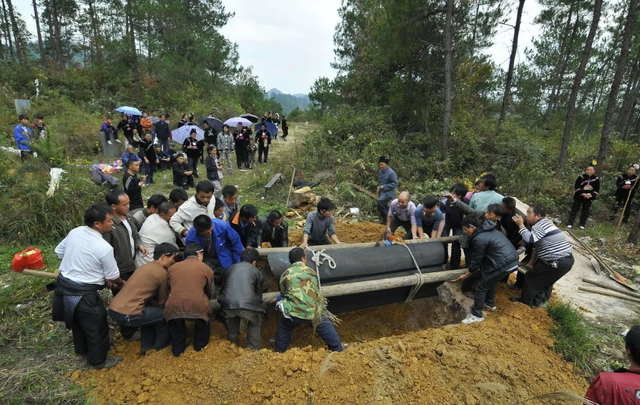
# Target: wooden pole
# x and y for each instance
(609, 294)
(611, 287)
(293, 175)
(624, 209)
(446, 239)
(39, 273)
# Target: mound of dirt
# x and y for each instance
(506, 359)
(351, 233)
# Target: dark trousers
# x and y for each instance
(252, 318)
(538, 282)
(456, 254)
(154, 330)
(241, 157)
(620, 204)
(485, 293)
(469, 283)
(263, 149)
(325, 330)
(90, 329)
(193, 163)
(125, 331)
(584, 214)
(179, 335)
(383, 208)
(164, 143)
(148, 171)
(395, 224)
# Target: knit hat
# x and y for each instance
(384, 160)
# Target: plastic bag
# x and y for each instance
(56, 178)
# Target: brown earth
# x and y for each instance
(395, 355)
(504, 360)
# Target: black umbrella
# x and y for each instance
(250, 117)
(213, 122)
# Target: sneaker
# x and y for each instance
(471, 318)
(136, 335)
(109, 142)
(582, 228)
(118, 140)
(569, 226)
(490, 308)
(108, 363)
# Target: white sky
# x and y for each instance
(289, 43)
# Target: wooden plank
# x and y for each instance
(38, 273)
(446, 239)
(273, 180)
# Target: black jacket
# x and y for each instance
(148, 150)
(249, 234)
(118, 237)
(179, 176)
(263, 138)
(126, 127)
(624, 184)
(162, 130)
(587, 185)
(242, 285)
(212, 168)
(277, 237)
(492, 253)
(511, 230)
(131, 185)
(192, 153)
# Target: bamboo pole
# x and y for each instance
(611, 287)
(609, 294)
(293, 176)
(624, 209)
(446, 239)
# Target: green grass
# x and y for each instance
(573, 335)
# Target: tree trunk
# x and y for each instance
(57, 36)
(512, 61)
(16, 32)
(634, 235)
(577, 82)
(615, 86)
(132, 50)
(448, 88)
(39, 33)
(629, 100)
(7, 30)
(95, 28)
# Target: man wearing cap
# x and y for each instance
(142, 298)
(387, 183)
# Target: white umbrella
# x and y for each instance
(233, 122)
(180, 134)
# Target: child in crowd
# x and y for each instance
(251, 153)
(586, 190)
(39, 128)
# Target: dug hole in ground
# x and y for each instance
(406, 353)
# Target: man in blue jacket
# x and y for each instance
(493, 256)
(23, 135)
(222, 245)
(387, 182)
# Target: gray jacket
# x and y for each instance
(118, 237)
(389, 181)
(242, 285)
(225, 142)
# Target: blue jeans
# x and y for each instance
(325, 329)
(154, 330)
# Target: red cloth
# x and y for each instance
(620, 388)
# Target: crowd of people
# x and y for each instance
(166, 260)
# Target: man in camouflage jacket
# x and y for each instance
(301, 302)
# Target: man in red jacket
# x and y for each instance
(623, 386)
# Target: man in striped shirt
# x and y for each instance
(552, 256)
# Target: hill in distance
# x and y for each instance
(289, 101)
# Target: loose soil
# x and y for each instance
(395, 355)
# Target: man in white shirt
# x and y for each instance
(156, 230)
(199, 204)
(87, 265)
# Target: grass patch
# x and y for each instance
(573, 336)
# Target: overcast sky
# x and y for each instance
(289, 43)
